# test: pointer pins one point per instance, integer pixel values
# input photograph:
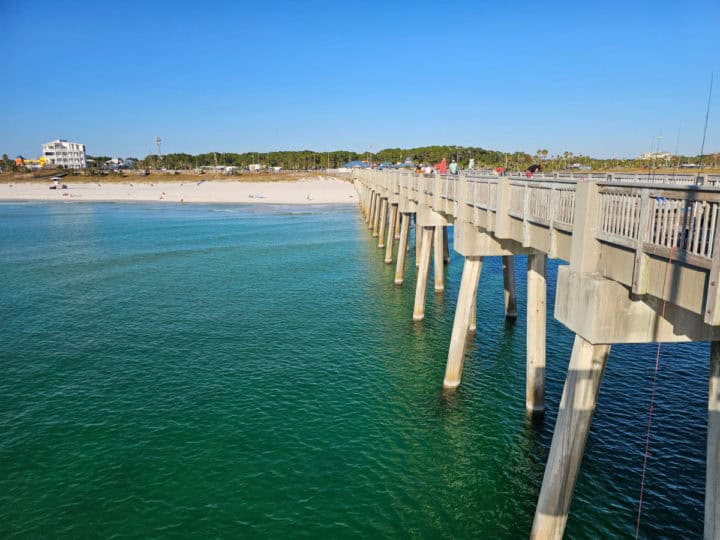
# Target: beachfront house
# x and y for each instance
(61, 153)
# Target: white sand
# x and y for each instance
(305, 191)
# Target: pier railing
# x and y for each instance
(670, 220)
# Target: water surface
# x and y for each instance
(211, 370)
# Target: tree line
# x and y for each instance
(310, 160)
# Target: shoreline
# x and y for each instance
(307, 191)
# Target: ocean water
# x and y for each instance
(241, 371)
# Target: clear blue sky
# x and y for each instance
(598, 78)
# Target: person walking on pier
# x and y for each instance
(453, 167)
(442, 166)
(532, 169)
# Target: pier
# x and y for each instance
(643, 254)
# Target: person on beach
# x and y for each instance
(532, 169)
(453, 167)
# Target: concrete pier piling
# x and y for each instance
(378, 215)
(374, 209)
(402, 248)
(391, 233)
(418, 243)
(508, 266)
(577, 406)
(397, 224)
(536, 327)
(712, 472)
(383, 223)
(439, 259)
(472, 328)
(371, 207)
(423, 272)
(446, 246)
(461, 324)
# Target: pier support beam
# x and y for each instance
(438, 259)
(446, 246)
(383, 222)
(402, 248)
(463, 314)
(712, 472)
(366, 203)
(376, 214)
(397, 224)
(371, 208)
(473, 313)
(418, 242)
(508, 265)
(391, 233)
(378, 210)
(423, 271)
(536, 325)
(577, 406)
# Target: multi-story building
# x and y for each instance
(67, 154)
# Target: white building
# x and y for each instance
(67, 154)
(656, 155)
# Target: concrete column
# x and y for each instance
(376, 221)
(577, 406)
(438, 260)
(418, 243)
(402, 248)
(712, 472)
(446, 246)
(473, 314)
(423, 271)
(508, 264)
(536, 324)
(383, 223)
(461, 323)
(391, 233)
(397, 225)
(373, 209)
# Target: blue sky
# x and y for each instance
(597, 78)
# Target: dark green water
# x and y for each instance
(252, 372)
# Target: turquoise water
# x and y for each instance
(241, 371)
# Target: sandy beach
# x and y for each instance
(311, 190)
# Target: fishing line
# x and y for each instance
(707, 115)
(652, 399)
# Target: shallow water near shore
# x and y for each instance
(252, 371)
